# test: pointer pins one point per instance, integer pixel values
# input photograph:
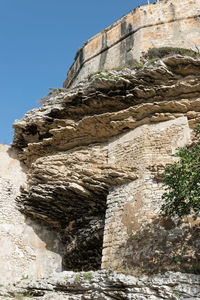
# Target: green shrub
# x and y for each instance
(88, 275)
(177, 293)
(182, 181)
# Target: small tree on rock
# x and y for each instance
(182, 181)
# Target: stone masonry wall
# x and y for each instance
(134, 232)
(28, 250)
(174, 23)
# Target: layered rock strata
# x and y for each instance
(104, 285)
(69, 147)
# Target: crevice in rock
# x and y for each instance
(78, 220)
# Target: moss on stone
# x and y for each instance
(165, 51)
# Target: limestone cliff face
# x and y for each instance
(95, 155)
(81, 186)
(106, 285)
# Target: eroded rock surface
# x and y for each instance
(110, 103)
(66, 145)
(104, 285)
(26, 247)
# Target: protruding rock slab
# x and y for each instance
(77, 152)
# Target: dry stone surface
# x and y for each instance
(105, 285)
(81, 186)
(103, 145)
(27, 249)
(171, 23)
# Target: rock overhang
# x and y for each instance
(65, 145)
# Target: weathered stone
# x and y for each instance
(102, 147)
(94, 156)
(134, 233)
(105, 285)
(27, 249)
(168, 23)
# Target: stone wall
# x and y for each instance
(134, 234)
(174, 23)
(28, 250)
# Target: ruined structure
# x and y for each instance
(92, 159)
(165, 23)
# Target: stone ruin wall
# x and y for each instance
(173, 23)
(135, 235)
(27, 249)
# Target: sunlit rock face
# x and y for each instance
(81, 186)
(106, 285)
(95, 155)
(27, 249)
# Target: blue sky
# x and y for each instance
(38, 41)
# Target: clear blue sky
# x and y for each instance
(38, 41)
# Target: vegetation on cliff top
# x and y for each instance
(166, 51)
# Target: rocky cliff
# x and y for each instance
(100, 148)
(105, 285)
(94, 157)
(83, 178)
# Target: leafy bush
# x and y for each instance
(182, 180)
